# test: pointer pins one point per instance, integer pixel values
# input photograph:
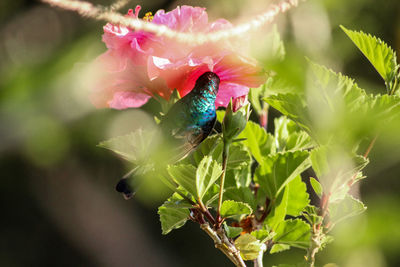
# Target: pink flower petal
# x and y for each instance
(124, 99)
(229, 90)
(237, 69)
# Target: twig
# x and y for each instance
(89, 10)
(222, 243)
(371, 145)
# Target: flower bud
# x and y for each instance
(236, 116)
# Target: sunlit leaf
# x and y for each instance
(242, 194)
(232, 232)
(258, 141)
(295, 233)
(278, 210)
(249, 246)
(211, 196)
(185, 176)
(176, 201)
(239, 156)
(263, 235)
(172, 217)
(346, 208)
(319, 161)
(289, 137)
(231, 208)
(207, 173)
(279, 248)
(298, 197)
(293, 106)
(311, 214)
(220, 115)
(316, 186)
(276, 171)
(238, 177)
(381, 56)
(134, 147)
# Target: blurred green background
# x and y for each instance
(58, 203)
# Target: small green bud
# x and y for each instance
(236, 116)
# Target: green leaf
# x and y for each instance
(346, 208)
(172, 217)
(316, 186)
(176, 201)
(299, 141)
(255, 94)
(295, 233)
(220, 115)
(335, 168)
(207, 173)
(135, 147)
(319, 161)
(239, 156)
(279, 248)
(248, 246)
(382, 108)
(263, 235)
(284, 127)
(211, 196)
(258, 141)
(381, 56)
(334, 90)
(274, 85)
(211, 146)
(289, 136)
(311, 215)
(231, 208)
(185, 176)
(276, 171)
(273, 48)
(278, 85)
(278, 211)
(241, 194)
(238, 177)
(232, 232)
(298, 197)
(293, 106)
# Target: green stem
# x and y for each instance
(315, 246)
(225, 154)
(394, 86)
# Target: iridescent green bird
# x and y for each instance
(188, 122)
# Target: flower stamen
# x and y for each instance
(148, 17)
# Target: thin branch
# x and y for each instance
(89, 10)
(371, 145)
(222, 243)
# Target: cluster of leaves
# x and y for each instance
(266, 204)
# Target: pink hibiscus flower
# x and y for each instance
(139, 65)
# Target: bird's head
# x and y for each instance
(207, 84)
